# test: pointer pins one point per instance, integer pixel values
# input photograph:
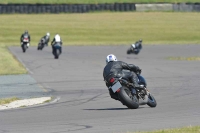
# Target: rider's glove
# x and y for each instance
(138, 70)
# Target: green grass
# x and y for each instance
(94, 1)
(108, 28)
(190, 129)
(104, 28)
(8, 100)
(184, 58)
(9, 65)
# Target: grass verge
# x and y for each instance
(9, 65)
(190, 129)
(184, 58)
(104, 28)
(8, 100)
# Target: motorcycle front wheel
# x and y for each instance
(24, 48)
(38, 48)
(136, 52)
(151, 101)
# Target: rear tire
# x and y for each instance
(128, 51)
(151, 101)
(57, 53)
(127, 98)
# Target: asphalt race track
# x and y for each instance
(85, 105)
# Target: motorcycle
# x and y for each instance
(135, 48)
(130, 96)
(41, 44)
(24, 44)
(56, 50)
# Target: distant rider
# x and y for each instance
(137, 45)
(56, 41)
(114, 68)
(45, 39)
(25, 35)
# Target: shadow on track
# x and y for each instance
(114, 109)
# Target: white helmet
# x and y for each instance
(48, 34)
(111, 57)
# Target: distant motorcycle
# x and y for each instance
(56, 50)
(24, 44)
(41, 44)
(130, 96)
(135, 48)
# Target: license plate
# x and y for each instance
(116, 86)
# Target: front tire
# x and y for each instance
(127, 98)
(151, 101)
(23, 48)
(137, 52)
(41, 47)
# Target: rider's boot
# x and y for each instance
(135, 83)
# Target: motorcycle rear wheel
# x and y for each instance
(127, 98)
(57, 53)
(128, 51)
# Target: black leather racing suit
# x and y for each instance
(115, 69)
(138, 45)
(46, 39)
(22, 37)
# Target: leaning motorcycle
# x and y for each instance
(24, 44)
(135, 48)
(130, 96)
(41, 44)
(56, 50)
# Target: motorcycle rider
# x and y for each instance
(56, 40)
(45, 39)
(114, 68)
(22, 37)
(137, 45)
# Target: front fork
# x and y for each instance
(140, 93)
